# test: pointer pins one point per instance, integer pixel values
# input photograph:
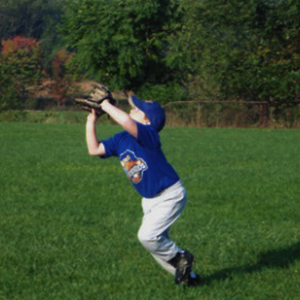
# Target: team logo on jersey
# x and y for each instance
(133, 166)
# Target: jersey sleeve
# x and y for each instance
(148, 136)
(111, 145)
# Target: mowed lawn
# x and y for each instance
(68, 221)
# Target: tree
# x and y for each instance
(38, 19)
(10, 93)
(23, 56)
(31, 18)
(240, 49)
(123, 43)
(61, 77)
(20, 67)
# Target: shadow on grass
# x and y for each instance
(280, 258)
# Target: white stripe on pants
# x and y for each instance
(159, 214)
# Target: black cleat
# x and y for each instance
(183, 267)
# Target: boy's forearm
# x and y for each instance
(117, 114)
(91, 138)
(120, 117)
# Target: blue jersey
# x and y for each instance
(142, 160)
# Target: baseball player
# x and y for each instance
(139, 150)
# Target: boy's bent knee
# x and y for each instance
(143, 237)
(148, 241)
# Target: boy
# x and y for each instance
(164, 197)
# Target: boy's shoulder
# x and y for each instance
(122, 136)
(147, 137)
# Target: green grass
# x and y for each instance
(68, 222)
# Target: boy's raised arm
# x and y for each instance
(94, 147)
(120, 117)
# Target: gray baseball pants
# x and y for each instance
(160, 213)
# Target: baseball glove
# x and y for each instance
(96, 97)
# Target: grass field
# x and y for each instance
(68, 222)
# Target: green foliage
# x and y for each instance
(32, 18)
(38, 19)
(10, 93)
(22, 55)
(21, 67)
(209, 50)
(61, 77)
(14, 116)
(123, 42)
(162, 93)
(247, 49)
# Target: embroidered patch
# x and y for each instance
(133, 166)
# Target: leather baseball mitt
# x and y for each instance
(96, 97)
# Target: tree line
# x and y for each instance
(161, 49)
